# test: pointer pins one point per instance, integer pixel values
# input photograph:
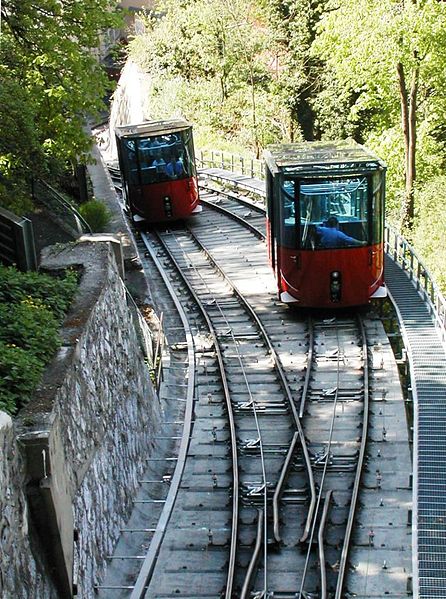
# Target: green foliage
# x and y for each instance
(428, 235)
(31, 326)
(292, 28)
(20, 373)
(53, 292)
(32, 307)
(209, 64)
(51, 83)
(96, 214)
(362, 42)
(20, 152)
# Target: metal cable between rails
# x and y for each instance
(148, 565)
(359, 469)
(356, 485)
(324, 472)
(252, 404)
(235, 498)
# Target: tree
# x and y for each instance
(216, 50)
(48, 67)
(389, 54)
(292, 25)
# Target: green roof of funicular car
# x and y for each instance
(149, 128)
(319, 157)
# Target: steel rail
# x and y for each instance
(235, 498)
(254, 411)
(320, 542)
(245, 592)
(148, 564)
(249, 203)
(280, 483)
(234, 216)
(359, 469)
(310, 355)
(285, 385)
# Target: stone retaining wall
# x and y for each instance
(20, 574)
(85, 438)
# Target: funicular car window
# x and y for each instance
(288, 214)
(130, 161)
(378, 206)
(158, 158)
(340, 204)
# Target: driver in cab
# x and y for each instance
(331, 237)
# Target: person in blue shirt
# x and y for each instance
(174, 168)
(331, 237)
(159, 163)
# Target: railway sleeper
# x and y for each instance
(339, 399)
(284, 595)
(264, 407)
(271, 450)
(340, 392)
(295, 496)
(335, 461)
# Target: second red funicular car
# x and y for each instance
(325, 223)
(158, 172)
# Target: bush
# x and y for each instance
(96, 214)
(54, 292)
(32, 307)
(430, 225)
(30, 326)
(20, 373)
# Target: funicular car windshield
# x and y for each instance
(311, 206)
(159, 158)
(340, 204)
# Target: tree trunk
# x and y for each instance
(411, 164)
(408, 103)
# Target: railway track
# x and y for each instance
(275, 433)
(278, 477)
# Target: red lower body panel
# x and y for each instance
(330, 278)
(167, 201)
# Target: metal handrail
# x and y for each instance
(144, 333)
(232, 162)
(61, 209)
(400, 250)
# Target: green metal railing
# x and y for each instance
(251, 167)
(401, 252)
(66, 216)
(17, 241)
